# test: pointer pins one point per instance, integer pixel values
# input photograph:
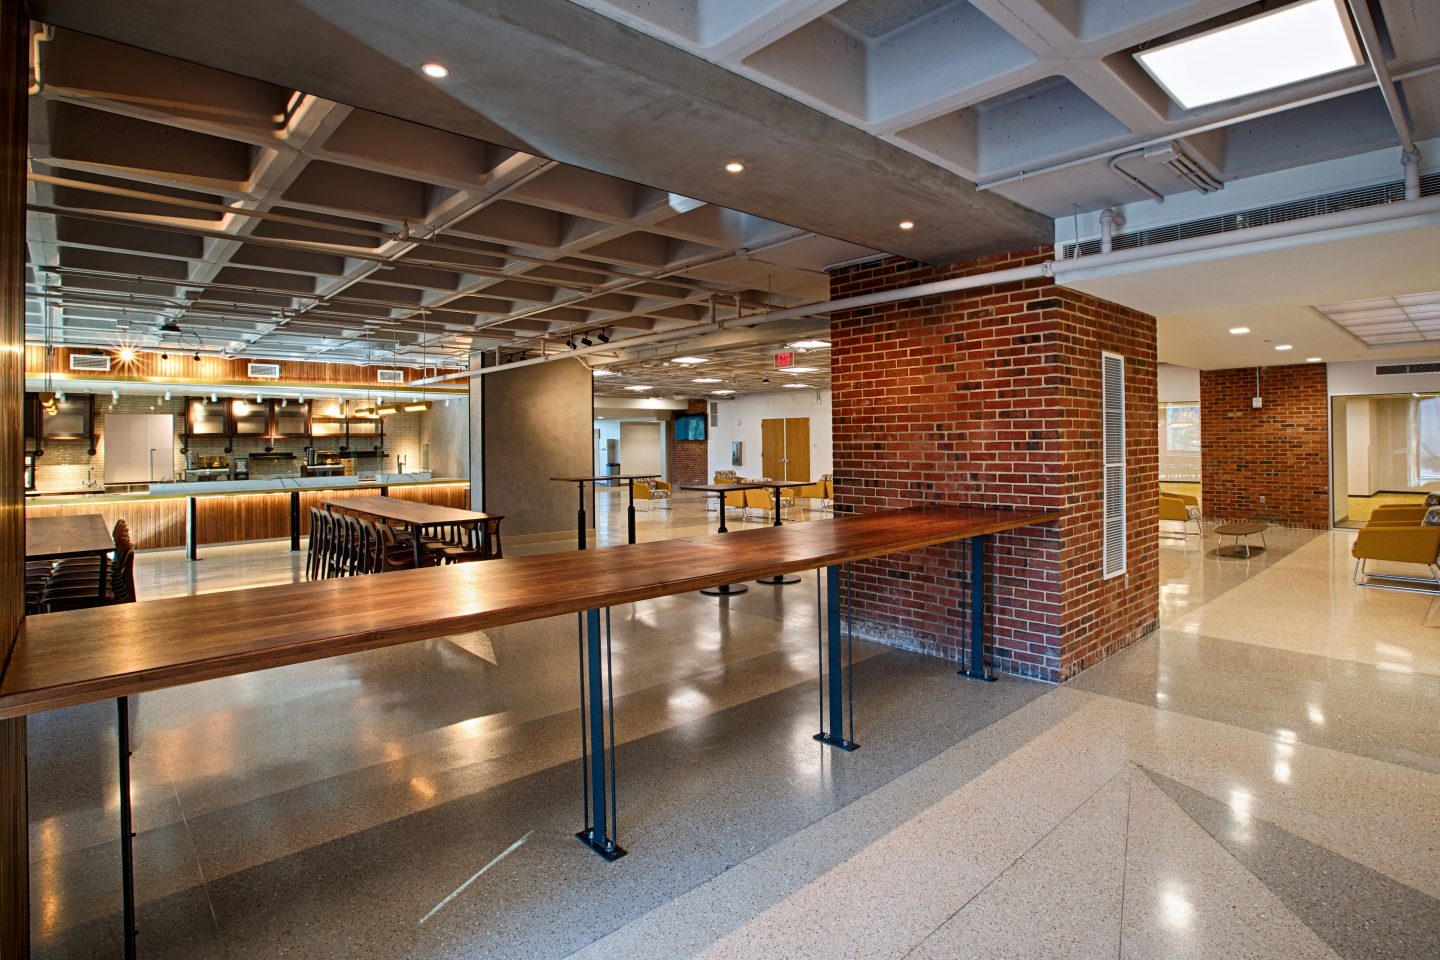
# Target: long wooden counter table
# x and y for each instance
(83, 656)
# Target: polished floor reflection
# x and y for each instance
(1261, 778)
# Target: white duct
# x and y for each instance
(1110, 218)
(1357, 219)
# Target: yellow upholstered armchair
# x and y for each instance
(1182, 509)
(1413, 544)
(1401, 514)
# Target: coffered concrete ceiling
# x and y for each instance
(997, 89)
(556, 80)
(270, 222)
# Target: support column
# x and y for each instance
(14, 852)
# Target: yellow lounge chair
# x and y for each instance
(1397, 544)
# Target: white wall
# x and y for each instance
(642, 447)
(1356, 377)
(740, 420)
(1354, 445)
(1341, 471)
(1177, 384)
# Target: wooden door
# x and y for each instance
(772, 449)
(797, 449)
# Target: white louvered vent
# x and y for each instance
(1112, 402)
(264, 371)
(714, 413)
(390, 376)
(89, 361)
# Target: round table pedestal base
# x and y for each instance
(779, 580)
(724, 590)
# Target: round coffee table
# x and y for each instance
(1241, 532)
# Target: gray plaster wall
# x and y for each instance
(537, 422)
(446, 430)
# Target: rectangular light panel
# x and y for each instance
(1409, 319)
(1304, 40)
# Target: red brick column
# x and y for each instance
(992, 397)
(1271, 463)
(689, 460)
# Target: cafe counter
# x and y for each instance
(194, 514)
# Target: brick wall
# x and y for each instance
(67, 464)
(688, 459)
(1279, 452)
(991, 397)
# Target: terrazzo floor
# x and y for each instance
(1260, 778)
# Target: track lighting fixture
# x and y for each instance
(164, 356)
(197, 356)
(587, 341)
(603, 337)
(570, 343)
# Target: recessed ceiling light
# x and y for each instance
(706, 380)
(721, 393)
(1283, 346)
(602, 372)
(1314, 359)
(809, 344)
(734, 166)
(637, 389)
(1239, 330)
(689, 360)
(435, 70)
(127, 355)
(1284, 46)
(907, 224)
(799, 369)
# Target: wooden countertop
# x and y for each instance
(43, 499)
(408, 511)
(54, 538)
(81, 656)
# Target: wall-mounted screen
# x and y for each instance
(690, 426)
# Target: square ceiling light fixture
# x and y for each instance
(1297, 42)
(1388, 320)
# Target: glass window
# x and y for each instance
(1180, 442)
(1427, 439)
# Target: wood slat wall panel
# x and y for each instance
(14, 855)
(156, 524)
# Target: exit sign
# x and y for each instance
(783, 360)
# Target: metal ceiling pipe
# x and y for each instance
(1375, 53)
(1110, 218)
(1114, 166)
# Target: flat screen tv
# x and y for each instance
(690, 426)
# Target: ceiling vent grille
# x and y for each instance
(1374, 195)
(89, 361)
(1392, 369)
(264, 371)
(390, 376)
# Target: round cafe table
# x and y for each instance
(1241, 532)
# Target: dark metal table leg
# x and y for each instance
(631, 484)
(127, 832)
(831, 670)
(581, 515)
(976, 670)
(415, 529)
(104, 578)
(294, 520)
(725, 589)
(192, 534)
(599, 835)
(780, 579)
